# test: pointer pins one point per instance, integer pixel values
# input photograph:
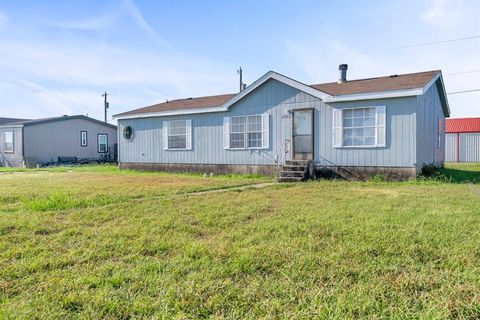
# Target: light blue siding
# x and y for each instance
(273, 98)
(399, 150)
(428, 111)
(276, 98)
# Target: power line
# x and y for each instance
(432, 43)
(462, 72)
(464, 91)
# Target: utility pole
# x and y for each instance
(105, 102)
(239, 71)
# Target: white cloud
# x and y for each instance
(68, 78)
(90, 23)
(137, 16)
(127, 9)
(446, 14)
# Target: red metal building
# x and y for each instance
(462, 140)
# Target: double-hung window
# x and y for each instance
(359, 127)
(246, 132)
(237, 133)
(102, 143)
(8, 141)
(177, 135)
(254, 131)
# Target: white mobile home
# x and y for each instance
(389, 125)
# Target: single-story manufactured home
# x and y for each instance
(390, 125)
(462, 140)
(28, 143)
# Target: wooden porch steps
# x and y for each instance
(294, 171)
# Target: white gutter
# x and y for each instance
(376, 95)
(171, 113)
(11, 126)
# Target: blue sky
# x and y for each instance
(57, 57)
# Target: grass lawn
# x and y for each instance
(95, 242)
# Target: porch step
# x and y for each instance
(293, 168)
(300, 163)
(294, 171)
(289, 179)
(300, 174)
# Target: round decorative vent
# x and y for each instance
(128, 133)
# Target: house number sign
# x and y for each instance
(286, 115)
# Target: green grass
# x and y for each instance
(94, 242)
(462, 172)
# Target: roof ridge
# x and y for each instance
(191, 98)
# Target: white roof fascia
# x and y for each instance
(445, 94)
(281, 78)
(431, 82)
(171, 113)
(376, 95)
(5, 125)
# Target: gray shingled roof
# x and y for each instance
(10, 120)
(53, 119)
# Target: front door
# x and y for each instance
(303, 134)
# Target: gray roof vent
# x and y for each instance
(342, 77)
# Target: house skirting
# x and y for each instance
(266, 170)
(356, 173)
(359, 173)
(12, 164)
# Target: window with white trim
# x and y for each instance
(8, 141)
(178, 135)
(359, 127)
(237, 132)
(83, 138)
(246, 132)
(102, 143)
(254, 131)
